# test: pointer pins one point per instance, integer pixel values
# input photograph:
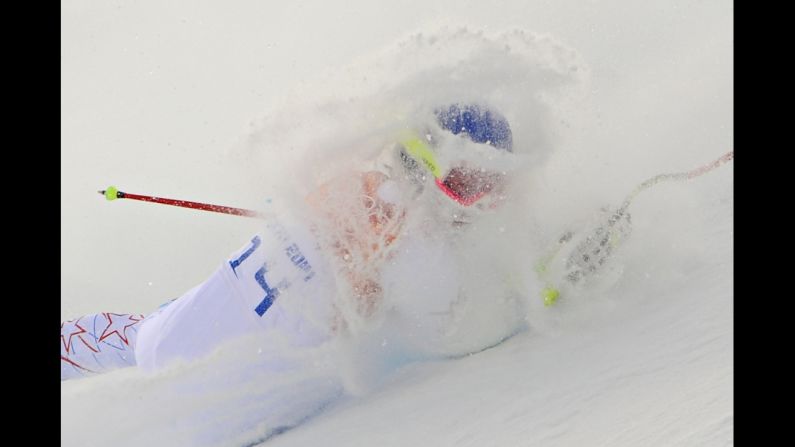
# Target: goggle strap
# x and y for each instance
(420, 151)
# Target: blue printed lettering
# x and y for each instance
(270, 293)
(254, 244)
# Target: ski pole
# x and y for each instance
(112, 194)
(596, 243)
(664, 177)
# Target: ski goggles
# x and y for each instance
(462, 184)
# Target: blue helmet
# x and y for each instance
(480, 124)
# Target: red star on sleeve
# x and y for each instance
(68, 330)
(118, 324)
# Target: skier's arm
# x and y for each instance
(362, 247)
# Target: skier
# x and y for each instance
(324, 274)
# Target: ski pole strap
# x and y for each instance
(112, 194)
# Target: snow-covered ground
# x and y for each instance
(192, 100)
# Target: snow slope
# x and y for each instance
(171, 99)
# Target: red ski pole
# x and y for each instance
(112, 194)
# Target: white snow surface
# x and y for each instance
(251, 104)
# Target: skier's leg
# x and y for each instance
(98, 343)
